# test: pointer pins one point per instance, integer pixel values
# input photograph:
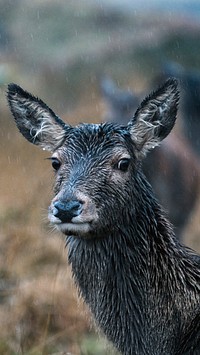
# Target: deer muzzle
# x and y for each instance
(74, 215)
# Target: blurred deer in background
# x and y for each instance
(172, 168)
(189, 80)
(141, 284)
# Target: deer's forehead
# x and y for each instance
(95, 140)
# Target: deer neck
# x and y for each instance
(113, 274)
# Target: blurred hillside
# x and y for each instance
(59, 50)
(73, 43)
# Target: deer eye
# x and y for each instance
(55, 163)
(123, 164)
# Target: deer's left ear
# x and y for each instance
(35, 120)
(155, 117)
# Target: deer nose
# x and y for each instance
(66, 210)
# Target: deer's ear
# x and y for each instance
(35, 120)
(155, 117)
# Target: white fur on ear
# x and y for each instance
(35, 120)
(155, 117)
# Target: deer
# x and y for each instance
(172, 168)
(140, 283)
(189, 79)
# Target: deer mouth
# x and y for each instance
(76, 226)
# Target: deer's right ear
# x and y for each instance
(35, 120)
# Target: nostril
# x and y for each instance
(58, 205)
(66, 210)
(75, 205)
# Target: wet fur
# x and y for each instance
(141, 284)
